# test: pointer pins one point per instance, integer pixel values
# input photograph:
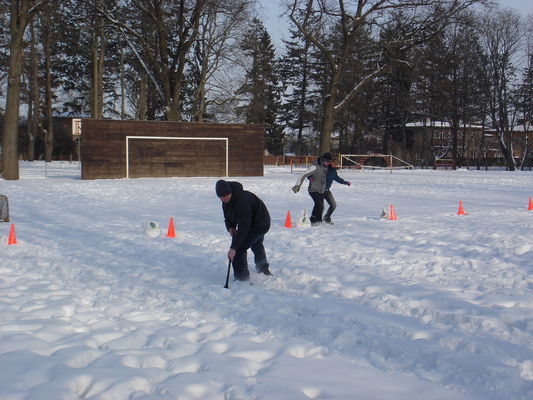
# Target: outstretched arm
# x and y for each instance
(311, 171)
(338, 179)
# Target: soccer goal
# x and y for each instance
(300, 163)
(132, 138)
(373, 161)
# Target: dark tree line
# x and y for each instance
(352, 69)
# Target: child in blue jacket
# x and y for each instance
(331, 176)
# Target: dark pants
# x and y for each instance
(254, 241)
(328, 196)
(318, 208)
(4, 209)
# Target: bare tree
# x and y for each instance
(220, 27)
(98, 49)
(501, 33)
(21, 13)
(422, 19)
(34, 99)
(46, 40)
(174, 26)
(525, 96)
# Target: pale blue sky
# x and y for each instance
(524, 6)
(269, 11)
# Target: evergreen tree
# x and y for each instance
(465, 77)
(299, 107)
(261, 91)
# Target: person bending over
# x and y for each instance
(247, 221)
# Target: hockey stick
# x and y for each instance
(227, 276)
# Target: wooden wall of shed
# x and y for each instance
(103, 149)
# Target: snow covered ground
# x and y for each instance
(431, 306)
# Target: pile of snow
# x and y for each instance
(432, 306)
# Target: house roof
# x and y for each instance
(527, 127)
(439, 124)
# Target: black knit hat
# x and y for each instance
(327, 157)
(222, 188)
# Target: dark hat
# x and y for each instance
(327, 157)
(222, 188)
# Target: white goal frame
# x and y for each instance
(128, 138)
(389, 158)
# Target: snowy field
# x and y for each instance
(432, 306)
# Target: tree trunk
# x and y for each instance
(174, 108)
(49, 136)
(507, 153)
(328, 118)
(34, 103)
(97, 67)
(19, 17)
(122, 86)
(187, 40)
(303, 101)
(142, 100)
(198, 107)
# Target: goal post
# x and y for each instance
(373, 161)
(128, 138)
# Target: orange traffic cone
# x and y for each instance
(530, 208)
(461, 210)
(170, 232)
(12, 237)
(392, 214)
(288, 222)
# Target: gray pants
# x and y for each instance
(4, 209)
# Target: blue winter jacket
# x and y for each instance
(331, 176)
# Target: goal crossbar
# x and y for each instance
(128, 138)
(354, 159)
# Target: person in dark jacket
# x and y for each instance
(247, 221)
(331, 176)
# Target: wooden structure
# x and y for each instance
(444, 163)
(134, 149)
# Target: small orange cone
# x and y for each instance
(288, 222)
(461, 210)
(530, 208)
(392, 214)
(170, 232)
(12, 237)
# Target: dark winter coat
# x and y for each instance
(244, 211)
(331, 176)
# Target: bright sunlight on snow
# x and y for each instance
(432, 306)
